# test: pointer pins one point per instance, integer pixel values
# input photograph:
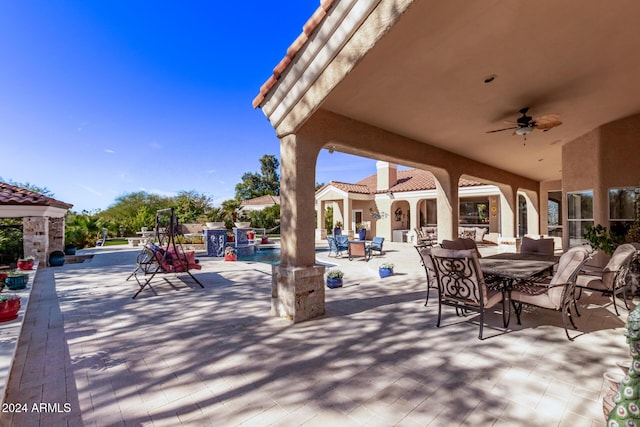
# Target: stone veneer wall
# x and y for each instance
(41, 236)
(35, 236)
(56, 235)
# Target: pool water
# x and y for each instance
(268, 256)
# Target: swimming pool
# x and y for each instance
(269, 256)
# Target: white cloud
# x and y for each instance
(109, 151)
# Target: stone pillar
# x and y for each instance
(56, 235)
(297, 291)
(35, 237)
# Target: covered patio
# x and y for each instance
(423, 84)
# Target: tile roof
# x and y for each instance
(13, 195)
(349, 188)
(295, 47)
(263, 200)
(407, 180)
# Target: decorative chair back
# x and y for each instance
(459, 276)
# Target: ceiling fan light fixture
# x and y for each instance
(524, 130)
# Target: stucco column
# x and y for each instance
(321, 233)
(297, 290)
(508, 203)
(533, 212)
(414, 214)
(348, 217)
(447, 205)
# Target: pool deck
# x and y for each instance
(182, 355)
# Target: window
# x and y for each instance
(474, 211)
(554, 213)
(579, 215)
(623, 208)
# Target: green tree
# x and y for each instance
(82, 229)
(231, 212)
(267, 181)
(130, 212)
(267, 218)
(191, 206)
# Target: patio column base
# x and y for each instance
(297, 293)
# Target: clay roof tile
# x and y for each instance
(13, 195)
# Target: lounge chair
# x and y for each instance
(376, 245)
(359, 249)
(334, 247)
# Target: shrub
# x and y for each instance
(334, 273)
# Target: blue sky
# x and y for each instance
(103, 98)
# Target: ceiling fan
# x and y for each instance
(526, 124)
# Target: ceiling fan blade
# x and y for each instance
(500, 130)
(547, 118)
(549, 125)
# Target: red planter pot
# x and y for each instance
(25, 264)
(9, 310)
(230, 257)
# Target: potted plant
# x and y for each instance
(16, 280)
(56, 259)
(9, 307)
(26, 263)
(230, 254)
(386, 269)
(362, 231)
(601, 238)
(337, 228)
(70, 249)
(334, 278)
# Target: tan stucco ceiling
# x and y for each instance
(424, 78)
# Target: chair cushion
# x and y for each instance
(469, 234)
(480, 232)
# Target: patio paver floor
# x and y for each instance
(215, 356)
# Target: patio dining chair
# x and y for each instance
(461, 285)
(537, 246)
(611, 279)
(557, 293)
(429, 268)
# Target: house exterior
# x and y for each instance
(430, 84)
(259, 203)
(412, 202)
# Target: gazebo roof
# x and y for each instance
(17, 202)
